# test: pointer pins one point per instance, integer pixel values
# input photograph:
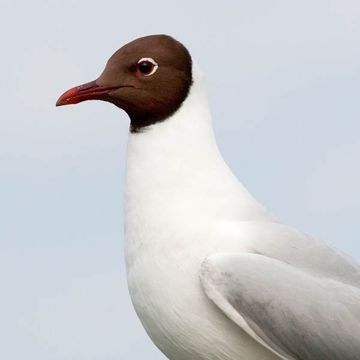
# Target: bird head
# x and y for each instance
(149, 78)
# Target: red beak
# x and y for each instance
(88, 91)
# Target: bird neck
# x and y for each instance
(182, 145)
(175, 166)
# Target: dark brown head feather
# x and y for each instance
(148, 99)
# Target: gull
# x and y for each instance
(211, 273)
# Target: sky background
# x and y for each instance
(283, 80)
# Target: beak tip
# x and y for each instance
(60, 102)
(66, 97)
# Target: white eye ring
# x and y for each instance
(150, 60)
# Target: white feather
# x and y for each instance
(182, 204)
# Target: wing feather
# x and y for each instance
(285, 308)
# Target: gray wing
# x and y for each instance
(288, 310)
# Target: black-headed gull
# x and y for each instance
(212, 275)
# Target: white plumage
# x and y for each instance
(184, 205)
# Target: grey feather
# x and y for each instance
(295, 313)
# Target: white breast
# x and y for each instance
(179, 195)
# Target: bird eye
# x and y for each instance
(147, 66)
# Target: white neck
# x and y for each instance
(174, 169)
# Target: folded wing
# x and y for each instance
(292, 312)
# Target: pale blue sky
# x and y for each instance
(283, 79)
